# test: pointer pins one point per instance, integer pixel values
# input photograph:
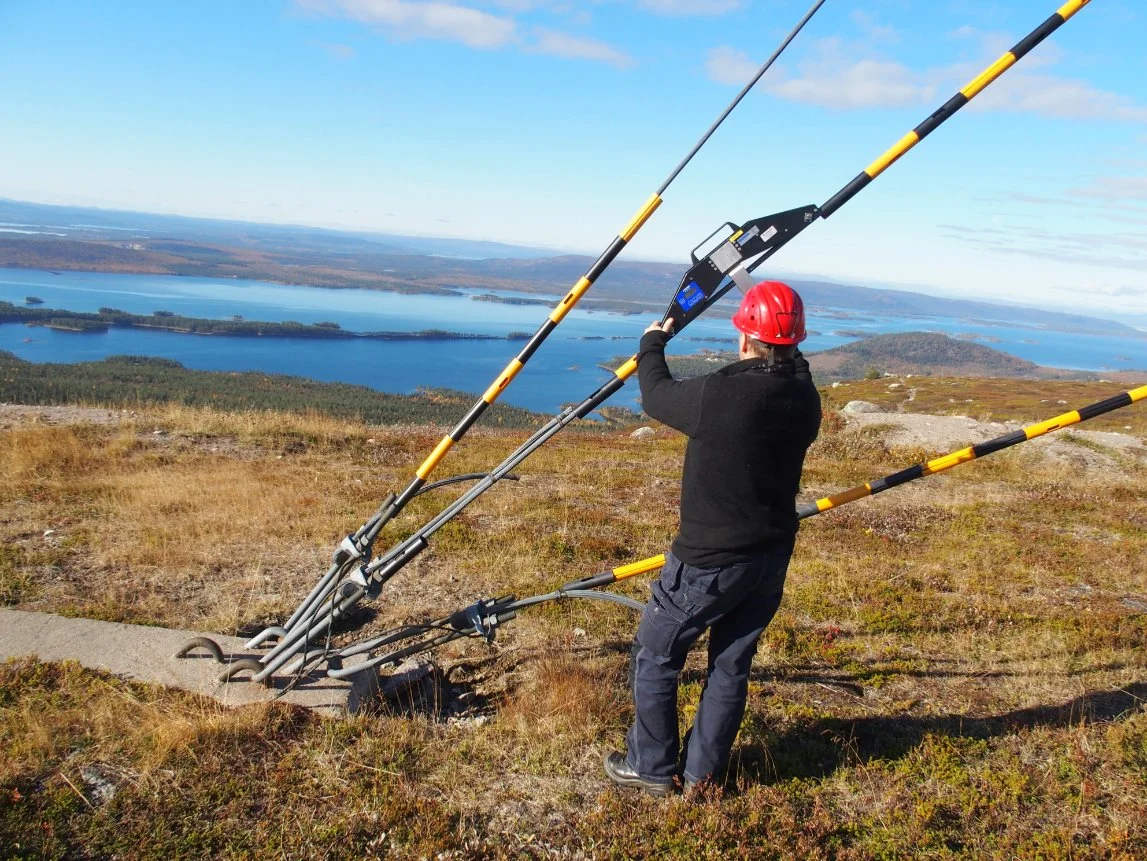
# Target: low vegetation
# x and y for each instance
(1025, 401)
(958, 669)
(127, 382)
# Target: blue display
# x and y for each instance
(690, 295)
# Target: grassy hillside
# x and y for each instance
(959, 668)
(132, 381)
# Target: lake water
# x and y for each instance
(564, 369)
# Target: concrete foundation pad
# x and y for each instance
(144, 654)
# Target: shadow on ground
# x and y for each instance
(817, 749)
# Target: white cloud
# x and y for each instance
(690, 7)
(866, 83)
(558, 44)
(841, 74)
(1114, 188)
(1056, 96)
(336, 50)
(874, 32)
(1111, 250)
(829, 79)
(438, 19)
(431, 20)
(730, 66)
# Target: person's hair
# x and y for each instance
(773, 352)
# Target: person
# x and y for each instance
(748, 427)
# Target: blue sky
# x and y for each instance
(548, 122)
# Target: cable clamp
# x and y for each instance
(482, 623)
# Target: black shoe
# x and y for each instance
(618, 770)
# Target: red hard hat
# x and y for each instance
(773, 313)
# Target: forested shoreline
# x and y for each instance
(131, 381)
(105, 318)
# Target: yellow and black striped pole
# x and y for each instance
(893, 154)
(973, 89)
(1125, 399)
(576, 292)
(964, 455)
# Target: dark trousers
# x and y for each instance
(735, 602)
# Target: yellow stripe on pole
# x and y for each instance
(626, 370)
(643, 214)
(563, 308)
(902, 146)
(948, 461)
(989, 74)
(1070, 8)
(435, 456)
(843, 497)
(1138, 394)
(1052, 424)
(503, 380)
(642, 567)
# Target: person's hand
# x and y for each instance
(660, 327)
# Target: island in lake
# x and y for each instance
(105, 318)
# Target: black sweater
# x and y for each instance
(749, 427)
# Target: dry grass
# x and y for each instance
(958, 668)
(990, 399)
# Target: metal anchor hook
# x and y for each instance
(251, 665)
(201, 643)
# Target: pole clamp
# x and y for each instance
(351, 548)
(359, 577)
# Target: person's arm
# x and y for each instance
(676, 403)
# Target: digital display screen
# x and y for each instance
(690, 295)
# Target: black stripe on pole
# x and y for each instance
(595, 582)
(897, 478)
(409, 493)
(606, 258)
(844, 195)
(944, 112)
(999, 443)
(1038, 35)
(467, 420)
(536, 341)
(599, 397)
(1114, 403)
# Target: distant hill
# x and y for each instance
(50, 237)
(85, 222)
(127, 381)
(927, 353)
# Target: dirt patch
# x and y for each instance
(1086, 448)
(19, 414)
